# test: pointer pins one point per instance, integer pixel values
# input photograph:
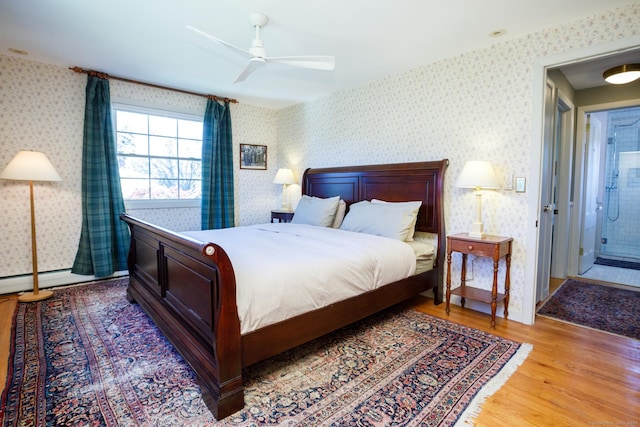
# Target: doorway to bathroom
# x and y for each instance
(610, 232)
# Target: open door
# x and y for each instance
(545, 222)
(593, 138)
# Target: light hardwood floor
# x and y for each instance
(573, 377)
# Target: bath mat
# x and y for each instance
(597, 306)
(617, 263)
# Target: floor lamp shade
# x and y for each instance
(31, 166)
(479, 175)
(284, 177)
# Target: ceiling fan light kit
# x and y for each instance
(622, 74)
(257, 56)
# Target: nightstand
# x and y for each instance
(281, 216)
(494, 247)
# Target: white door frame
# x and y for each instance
(545, 214)
(561, 231)
(587, 177)
(533, 196)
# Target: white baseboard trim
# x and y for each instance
(48, 280)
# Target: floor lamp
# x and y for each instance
(31, 166)
(478, 175)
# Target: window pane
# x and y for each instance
(161, 146)
(190, 148)
(164, 168)
(132, 143)
(135, 189)
(189, 129)
(131, 122)
(164, 189)
(163, 126)
(133, 167)
(159, 156)
(190, 189)
(190, 169)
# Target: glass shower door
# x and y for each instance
(620, 235)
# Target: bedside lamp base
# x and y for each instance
(477, 230)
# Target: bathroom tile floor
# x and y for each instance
(623, 276)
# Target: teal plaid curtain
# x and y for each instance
(104, 239)
(217, 167)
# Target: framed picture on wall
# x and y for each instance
(253, 156)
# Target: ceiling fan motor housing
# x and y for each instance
(257, 48)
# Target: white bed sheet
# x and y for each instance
(285, 269)
(425, 255)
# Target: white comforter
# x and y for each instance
(283, 270)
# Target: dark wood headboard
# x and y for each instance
(397, 182)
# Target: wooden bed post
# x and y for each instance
(188, 289)
(226, 345)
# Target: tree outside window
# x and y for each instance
(159, 156)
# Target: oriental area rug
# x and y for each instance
(88, 357)
(596, 306)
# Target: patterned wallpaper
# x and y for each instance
(476, 106)
(42, 108)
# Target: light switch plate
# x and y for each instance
(521, 184)
(508, 182)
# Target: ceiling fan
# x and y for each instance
(257, 56)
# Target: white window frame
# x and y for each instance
(156, 203)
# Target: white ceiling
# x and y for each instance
(147, 40)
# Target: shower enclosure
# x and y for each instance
(620, 219)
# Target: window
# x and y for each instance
(159, 157)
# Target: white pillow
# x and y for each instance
(316, 211)
(342, 208)
(383, 219)
(409, 206)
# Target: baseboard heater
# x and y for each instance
(50, 279)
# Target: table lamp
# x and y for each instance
(478, 175)
(31, 166)
(284, 177)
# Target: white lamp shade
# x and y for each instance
(30, 166)
(284, 176)
(478, 174)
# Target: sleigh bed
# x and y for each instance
(188, 286)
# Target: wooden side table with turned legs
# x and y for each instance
(281, 216)
(494, 247)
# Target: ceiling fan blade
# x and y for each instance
(237, 50)
(316, 62)
(254, 64)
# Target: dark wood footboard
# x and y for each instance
(277, 338)
(188, 289)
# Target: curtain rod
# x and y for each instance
(106, 76)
